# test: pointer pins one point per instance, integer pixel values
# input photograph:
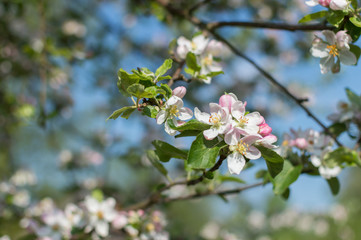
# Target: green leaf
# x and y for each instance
(273, 160)
(313, 16)
(286, 177)
(191, 62)
(354, 4)
(336, 17)
(168, 150)
(334, 185)
(144, 74)
(213, 74)
(150, 111)
(337, 128)
(193, 124)
(353, 31)
(209, 175)
(136, 89)
(286, 194)
(342, 155)
(356, 20)
(150, 92)
(125, 80)
(188, 133)
(223, 178)
(123, 112)
(355, 50)
(167, 64)
(190, 71)
(164, 77)
(203, 153)
(154, 159)
(354, 98)
(167, 89)
(98, 195)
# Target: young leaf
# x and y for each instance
(337, 128)
(150, 111)
(334, 185)
(353, 98)
(188, 133)
(191, 62)
(123, 112)
(342, 155)
(203, 153)
(167, 64)
(190, 125)
(168, 150)
(353, 31)
(288, 175)
(356, 21)
(125, 80)
(136, 89)
(223, 178)
(336, 17)
(213, 74)
(354, 4)
(153, 158)
(273, 160)
(150, 92)
(313, 16)
(166, 88)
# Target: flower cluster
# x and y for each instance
(333, 50)
(207, 54)
(332, 4)
(317, 145)
(347, 113)
(173, 109)
(92, 218)
(241, 130)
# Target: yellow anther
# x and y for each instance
(242, 121)
(215, 118)
(173, 111)
(333, 50)
(242, 147)
(285, 143)
(100, 214)
(207, 61)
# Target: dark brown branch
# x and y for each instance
(270, 25)
(177, 74)
(212, 193)
(268, 76)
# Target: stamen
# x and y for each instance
(173, 111)
(242, 121)
(214, 119)
(242, 147)
(333, 50)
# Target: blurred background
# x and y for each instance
(58, 73)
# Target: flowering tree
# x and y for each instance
(227, 133)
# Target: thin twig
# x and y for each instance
(268, 76)
(177, 73)
(212, 193)
(270, 25)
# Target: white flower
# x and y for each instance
(243, 148)
(23, 177)
(335, 46)
(339, 4)
(100, 214)
(244, 124)
(57, 226)
(196, 46)
(208, 65)
(324, 170)
(219, 119)
(74, 215)
(268, 141)
(173, 109)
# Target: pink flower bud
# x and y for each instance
(300, 143)
(263, 121)
(179, 91)
(325, 3)
(226, 101)
(264, 129)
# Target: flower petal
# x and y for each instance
(252, 153)
(330, 36)
(161, 116)
(201, 116)
(185, 113)
(211, 133)
(235, 163)
(238, 109)
(347, 57)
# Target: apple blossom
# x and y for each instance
(335, 46)
(236, 160)
(100, 214)
(243, 123)
(324, 170)
(208, 65)
(219, 119)
(173, 109)
(197, 45)
(179, 91)
(227, 100)
(268, 141)
(333, 4)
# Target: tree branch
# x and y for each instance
(268, 76)
(212, 193)
(270, 25)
